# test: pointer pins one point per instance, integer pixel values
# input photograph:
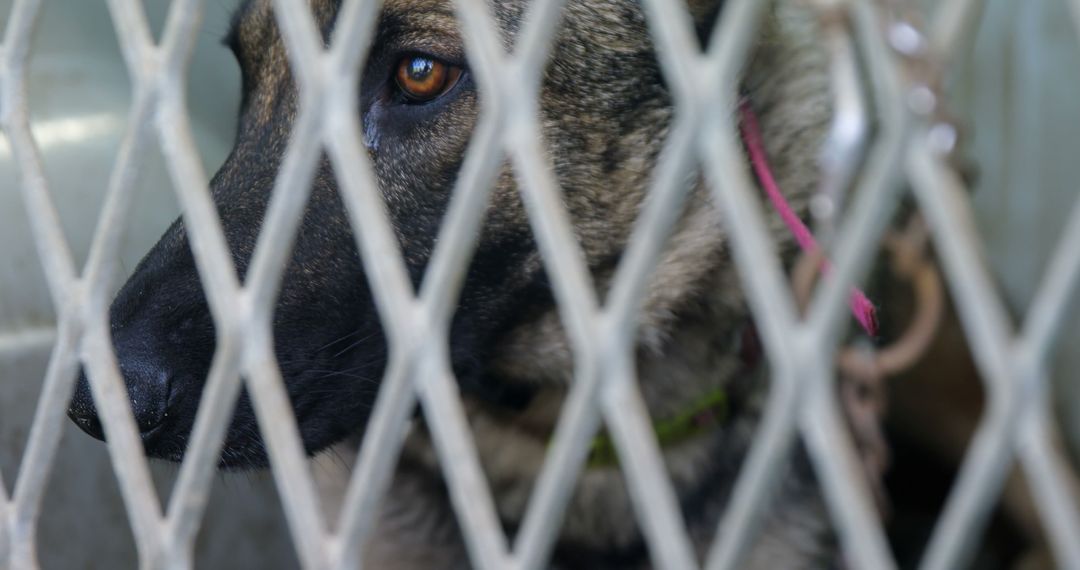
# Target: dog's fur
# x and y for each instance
(605, 114)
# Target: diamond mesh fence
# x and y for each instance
(869, 42)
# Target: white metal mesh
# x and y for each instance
(1017, 424)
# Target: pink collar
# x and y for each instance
(861, 307)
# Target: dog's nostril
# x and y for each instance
(148, 394)
(89, 424)
(82, 410)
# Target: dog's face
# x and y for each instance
(604, 111)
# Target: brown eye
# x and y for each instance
(422, 79)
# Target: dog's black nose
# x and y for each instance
(148, 394)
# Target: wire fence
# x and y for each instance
(910, 145)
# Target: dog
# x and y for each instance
(605, 113)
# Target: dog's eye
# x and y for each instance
(422, 79)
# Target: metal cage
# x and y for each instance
(908, 147)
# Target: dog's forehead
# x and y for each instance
(255, 18)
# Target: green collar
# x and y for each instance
(707, 412)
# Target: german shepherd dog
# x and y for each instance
(605, 115)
